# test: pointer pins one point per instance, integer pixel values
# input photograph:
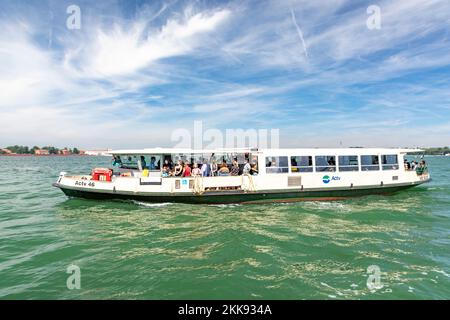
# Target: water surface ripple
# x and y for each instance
(136, 250)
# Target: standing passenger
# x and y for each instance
(234, 168)
(206, 169)
(214, 168)
(178, 171)
(247, 167)
(187, 170)
(196, 171)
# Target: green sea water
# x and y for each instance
(133, 250)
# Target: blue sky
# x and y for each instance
(138, 70)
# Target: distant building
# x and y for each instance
(41, 152)
(65, 152)
(6, 151)
(97, 152)
(82, 152)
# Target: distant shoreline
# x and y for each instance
(44, 155)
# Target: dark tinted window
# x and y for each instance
(301, 164)
(277, 165)
(325, 163)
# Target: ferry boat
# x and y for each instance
(258, 176)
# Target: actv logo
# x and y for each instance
(327, 178)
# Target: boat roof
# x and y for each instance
(284, 151)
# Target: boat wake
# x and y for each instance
(225, 205)
(151, 205)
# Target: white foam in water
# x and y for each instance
(151, 205)
(230, 205)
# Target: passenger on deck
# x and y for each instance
(214, 168)
(168, 164)
(196, 170)
(117, 162)
(165, 171)
(254, 169)
(234, 168)
(413, 165)
(247, 167)
(223, 171)
(152, 163)
(186, 170)
(407, 164)
(205, 169)
(422, 168)
(178, 170)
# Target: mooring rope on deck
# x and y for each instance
(198, 185)
(251, 184)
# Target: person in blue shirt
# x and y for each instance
(117, 162)
(205, 169)
(152, 163)
(143, 163)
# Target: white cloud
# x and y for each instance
(124, 50)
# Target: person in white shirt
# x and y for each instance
(247, 167)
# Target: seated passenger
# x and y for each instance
(116, 162)
(421, 168)
(165, 171)
(407, 164)
(254, 169)
(223, 171)
(186, 170)
(274, 168)
(413, 165)
(196, 170)
(425, 168)
(141, 163)
(234, 169)
(178, 170)
(167, 164)
(331, 165)
(152, 163)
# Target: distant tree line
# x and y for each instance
(26, 150)
(437, 151)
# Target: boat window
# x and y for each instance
(389, 162)
(277, 164)
(325, 163)
(348, 163)
(301, 164)
(152, 162)
(370, 163)
(129, 162)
